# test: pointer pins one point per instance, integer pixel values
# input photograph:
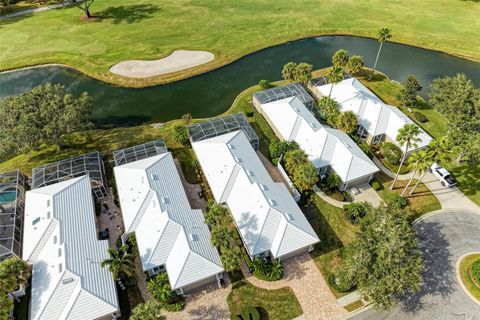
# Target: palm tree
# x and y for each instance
(149, 310)
(276, 270)
(120, 263)
(347, 122)
(442, 150)
(407, 136)
(187, 118)
(260, 265)
(288, 71)
(305, 177)
(293, 159)
(423, 161)
(335, 75)
(159, 288)
(383, 35)
(14, 272)
(221, 237)
(230, 257)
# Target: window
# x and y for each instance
(377, 138)
(323, 169)
(362, 132)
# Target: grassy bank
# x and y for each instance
(148, 29)
(465, 270)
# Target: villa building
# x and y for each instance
(60, 241)
(378, 121)
(171, 236)
(269, 221)
(328, 149)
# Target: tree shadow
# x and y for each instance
(129, 14)
(438, 273)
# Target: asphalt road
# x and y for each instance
(444, 238)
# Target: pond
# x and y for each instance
(212, 93)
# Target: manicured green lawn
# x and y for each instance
(151, 29)
(466, 275)
(420, 202)
(468, 180)
(279, 304)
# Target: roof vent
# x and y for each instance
(230, 146)
(237, 159)
(312, 125)
(67, 280)
(271, 202)
(263, 187)
(142, 180)
(154, 176)
(250, 173)
(289, 217)
(163, 200)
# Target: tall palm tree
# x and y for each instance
(335, 75)
(407, 136)
(120, 262)
(423, 161)
(293, 159)
(442, 150)
(288, 71)
(382, 36)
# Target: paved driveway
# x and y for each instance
(444, 238)
(302, 275)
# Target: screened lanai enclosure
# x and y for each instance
(90, 164)
(13, 185)
(139, 152)
(222, 125)
(283, 92)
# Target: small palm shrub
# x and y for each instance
(264, 84)
(356, 211)
(250, 313)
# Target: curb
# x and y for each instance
(457, 271)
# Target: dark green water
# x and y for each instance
(213, 93)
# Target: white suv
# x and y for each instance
(443, 175)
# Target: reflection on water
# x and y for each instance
(212, 93)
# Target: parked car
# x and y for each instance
(443, 175)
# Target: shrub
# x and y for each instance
(250, 313)
(339, 282)
(174, 307)
(264, 84)
(476, 270)
(376, 185)
(277, 148)
(356, 211)
(420, 117)
(391, 152)
(333, 181)
(397, 201)
(180, 135)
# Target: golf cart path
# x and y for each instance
(177, 61)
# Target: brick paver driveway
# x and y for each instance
(207, 303)
(302, 275)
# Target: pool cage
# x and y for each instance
(320, 81)
(278, 93)
(139, 152)
(13, 185)
(90, 164)
(222, 125)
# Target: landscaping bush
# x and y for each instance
(356, 211)
(277, 148)
(175, 306)
(420, 117)
(269, 270)
(250, 313)
(476, 271)
(264, 84)
(338, 283)
(397, 201)
(180, 135)
(376, 185)
(391, 152)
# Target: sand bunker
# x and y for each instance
(177, 61)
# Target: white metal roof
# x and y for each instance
(374, 115)
(168, 231)
(265, 213)
(323, 145)
(60, 240)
